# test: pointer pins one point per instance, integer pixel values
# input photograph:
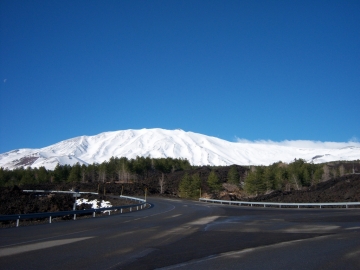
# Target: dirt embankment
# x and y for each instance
(342, 189)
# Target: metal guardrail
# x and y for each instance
(274, 204)
(139, 206)
(59, 191)
(133, 198)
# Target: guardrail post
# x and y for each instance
(130, 209)
(50, 219)
(74, 216)
(94, 214)
(121, 211)
(291, 205)
(17, 222)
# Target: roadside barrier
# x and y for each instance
(139, 206)
(133, 199)
(59, 191)
(280, 205)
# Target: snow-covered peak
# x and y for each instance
(197, 148)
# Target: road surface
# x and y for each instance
(180, 234)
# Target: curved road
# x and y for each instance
(179, 234)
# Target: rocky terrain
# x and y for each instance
(15, 201)
(341, 189)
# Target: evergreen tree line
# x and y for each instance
(261, 179)
(116, 169)
(295, 175)
(190, 185)
(253, 180)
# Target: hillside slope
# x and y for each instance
(341, 189)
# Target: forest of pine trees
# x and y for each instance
(252, 180)
(116, 169)
(295, 175)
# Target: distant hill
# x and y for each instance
(199, 149)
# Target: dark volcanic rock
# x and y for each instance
(341, 189)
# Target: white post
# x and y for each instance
(94, 214)
(50, 219)
(17, 222)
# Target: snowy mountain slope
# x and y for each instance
(197, 148)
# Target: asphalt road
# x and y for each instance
(178, 234)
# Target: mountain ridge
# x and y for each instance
(199, 149)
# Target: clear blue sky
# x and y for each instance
(271, 70)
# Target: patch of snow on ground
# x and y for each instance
(94, 203)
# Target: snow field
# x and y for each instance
(160, 143)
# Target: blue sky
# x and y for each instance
(255, 70)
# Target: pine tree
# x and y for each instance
(213, 182)
(189, 187)
(255, 182)
(75, 173)
(195, 186)
(233, 176)
(27, 177)
(185, 186)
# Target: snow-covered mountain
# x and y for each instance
(197, 148)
